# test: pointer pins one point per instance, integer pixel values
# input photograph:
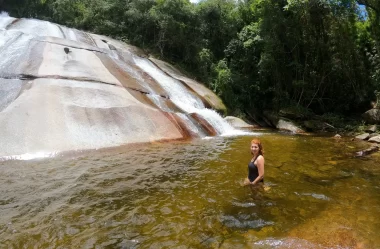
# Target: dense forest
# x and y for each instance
(315, 56)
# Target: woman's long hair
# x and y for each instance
(258, 142)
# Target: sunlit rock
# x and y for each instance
(375, 139)
(63, 89)
(363, 136)
(72, 115)
(237, 122)
(371, 129)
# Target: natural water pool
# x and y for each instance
(189, 195)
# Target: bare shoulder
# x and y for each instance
(260, 158)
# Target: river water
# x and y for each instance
(189, 195)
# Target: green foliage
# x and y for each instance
(318, 55)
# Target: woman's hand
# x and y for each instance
(246, 181)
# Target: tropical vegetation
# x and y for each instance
(318, 56)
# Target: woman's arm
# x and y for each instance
(260, 167)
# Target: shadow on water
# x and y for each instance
(190, 195)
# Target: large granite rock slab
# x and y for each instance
(62, 115)
(63, 89)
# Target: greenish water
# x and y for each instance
(190, 195)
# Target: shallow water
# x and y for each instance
(190, 195)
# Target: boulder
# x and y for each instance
(293, 113)
(282, 123)
(374, 139)
(237, 122)
(373, 135)
(317, 125)
(363, 136)
(367, 151)
(371, 129)
(288, 126)
(372, 116)
(337, 136)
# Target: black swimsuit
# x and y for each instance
(253, 171)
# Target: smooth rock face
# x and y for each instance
(72, 115)
(237, 122)
(63, 89)
(288, 126)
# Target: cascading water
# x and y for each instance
(177, 92)
(69, 33)
(73, 71)
(16, 45)
(185, 100)
(5, 19)
(37, 28)
(156, 98)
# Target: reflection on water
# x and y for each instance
(190, 195)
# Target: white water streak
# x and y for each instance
(5, 19)
(188, 102)
(185, 100)
(37, 28)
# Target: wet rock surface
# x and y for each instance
(64, 89)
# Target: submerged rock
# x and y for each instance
(367, 151)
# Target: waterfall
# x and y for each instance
(155, 98)
(5, 19)
(63, 89)
(185, 100)
(37, 28)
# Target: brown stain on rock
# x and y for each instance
(178, 122)
(204, 124)
(123, 77)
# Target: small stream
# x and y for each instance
(189, 194)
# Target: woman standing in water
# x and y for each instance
(256, 165)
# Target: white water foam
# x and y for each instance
(69, 33)
(156, 99)
(5, 19)
(4, 14)
(187, 101)
(37, 28)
